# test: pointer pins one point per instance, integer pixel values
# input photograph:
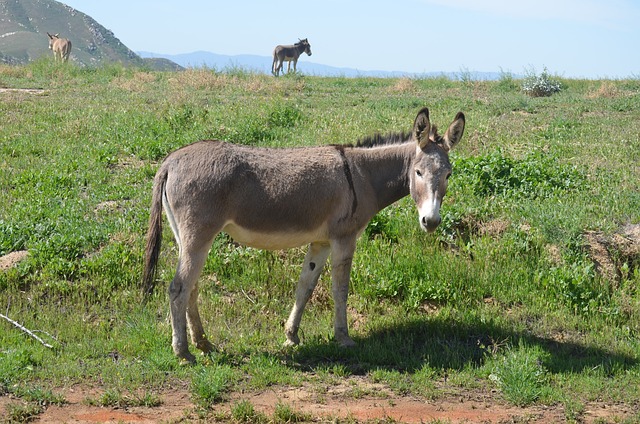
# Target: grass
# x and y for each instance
(504, 295)
(117, 399)
(520, 375)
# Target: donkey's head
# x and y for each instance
(431, 168)
(307, 46)
(52, 39)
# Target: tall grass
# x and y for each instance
(506, 273)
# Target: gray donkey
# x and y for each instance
(289, 53)
(271, 198)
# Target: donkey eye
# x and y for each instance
(448, 175)
(418, 173)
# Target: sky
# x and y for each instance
(570, 38)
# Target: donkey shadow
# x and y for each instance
(446, 344)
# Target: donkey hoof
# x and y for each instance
(345, 341)
(292, 341)
(205, 346)
(292, 336)
(184, 355)
(187, 359)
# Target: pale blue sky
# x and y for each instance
(572, 38)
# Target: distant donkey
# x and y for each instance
(61, 47)
(289, 53)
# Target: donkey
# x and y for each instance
(271, 198)
(289, 53)
(61, 47)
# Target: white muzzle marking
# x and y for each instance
(429, 212)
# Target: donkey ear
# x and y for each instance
(454, 132)
(422, 128)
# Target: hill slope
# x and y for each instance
(23, 34)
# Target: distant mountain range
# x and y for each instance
(23, 36)
(262, 64)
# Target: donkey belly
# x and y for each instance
(275, 240)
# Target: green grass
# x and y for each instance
(244, 412)
(117, 399)
(504, 288)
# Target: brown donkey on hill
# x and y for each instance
(61, 47)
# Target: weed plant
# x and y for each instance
(520, 375)
(506, 287)
(542, 85)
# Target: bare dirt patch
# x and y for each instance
(176, 407)
(12, 259)
(21, 91)
(616, 254)
(326, 404)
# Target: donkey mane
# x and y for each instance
(378, 139)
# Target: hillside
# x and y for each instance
(23, 35)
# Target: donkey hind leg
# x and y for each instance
(183, 300)
(311, 269)
(198, 337)
(341, 259)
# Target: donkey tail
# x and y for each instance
(154, 234)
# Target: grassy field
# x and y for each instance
(530, 286)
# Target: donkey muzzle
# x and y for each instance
(430, 215)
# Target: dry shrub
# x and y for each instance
(554, 254)
(402, 85)
(15, 71)
(257, 84)
(137, 83)
(201, 79)
(607, 90)
(493, 227)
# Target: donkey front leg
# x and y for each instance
(311, 269)
(341, 259)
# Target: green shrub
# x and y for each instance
(540, 85)
(537, 175)
(575, 286)
(244, 412)
(283, 413)
(210, 383)
(520, 375)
